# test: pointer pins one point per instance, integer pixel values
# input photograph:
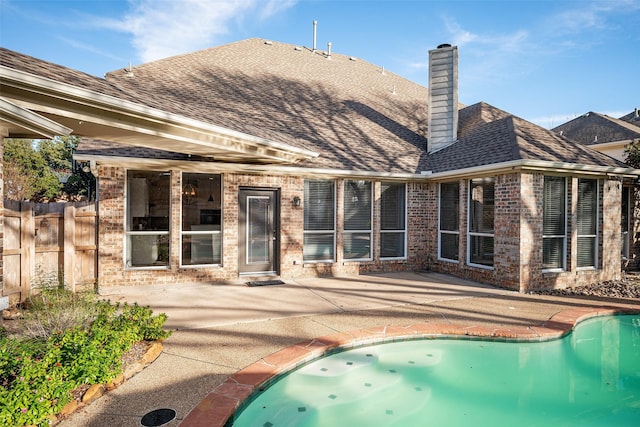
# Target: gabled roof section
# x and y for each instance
(490, 136)
(594, 128)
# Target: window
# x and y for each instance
(481, 213)
(201, 232)
(587, 222)
(449, 228)
(625, 220)
(319, 220)
(554, 223)
(147, 229)
(357, 220)
(392, 220)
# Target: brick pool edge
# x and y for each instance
(218, 407)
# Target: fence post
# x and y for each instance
(27, 249)
(70, 246)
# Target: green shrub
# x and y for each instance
(39, 372)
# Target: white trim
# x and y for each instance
(404, 232)
(440, 231)
(369, 231)
(597, 230)
(150, 117)
(477, 233)
(27, 119)
(565, 237)
(332, 231)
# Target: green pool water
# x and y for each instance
(591, 377)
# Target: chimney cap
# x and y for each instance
(443, 45)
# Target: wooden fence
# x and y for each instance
(48, 244)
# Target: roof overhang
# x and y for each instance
(537, 166)
(481, 171)
(22, 123)
(96, 115)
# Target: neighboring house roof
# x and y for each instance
(594, 128)
(633, 117)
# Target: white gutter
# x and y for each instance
(31, 121)
(537, 165)
(507, 167)
(67, 92)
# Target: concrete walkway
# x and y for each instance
(220, 329)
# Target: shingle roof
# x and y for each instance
(59, 73)
(497, 137)
(356, 115)
(594, 128)
(633, 117)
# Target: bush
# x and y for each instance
(39, 371)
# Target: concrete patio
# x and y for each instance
(221, 329)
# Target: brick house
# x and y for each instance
(611, 136)
(260, 159)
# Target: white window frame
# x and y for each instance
(626, 235)
(211, 233)
(470, 233)
(448, 232)
(130, 232)
(324, 232)
(595, 236)
(403, 231)
(564, 236)
(361, 231)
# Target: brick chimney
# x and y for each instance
(443, 97)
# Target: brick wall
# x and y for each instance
(517, 234)
(112, 238)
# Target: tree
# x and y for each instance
(43, 169)
(632, 154)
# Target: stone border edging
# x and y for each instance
(96, 391)
(218, 407)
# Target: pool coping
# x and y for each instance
(217, 408)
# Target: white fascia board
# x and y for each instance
(536, 165)
(98, 100)
(196, 166)
(31, 121)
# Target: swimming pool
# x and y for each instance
(591, 377)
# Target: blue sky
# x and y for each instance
(545, 61)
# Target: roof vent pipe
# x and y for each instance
(315, 27)
(635, 113)
(329, 50)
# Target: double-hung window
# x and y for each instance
(147, 226)
(554, 223)
(449, 228)
(319, 220)
(201, 219)
(481, 216)
(587, 223)
(625, 220)
(358, 228)
(393, 220)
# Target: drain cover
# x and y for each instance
(158, 417)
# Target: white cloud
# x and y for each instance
(164, 28)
